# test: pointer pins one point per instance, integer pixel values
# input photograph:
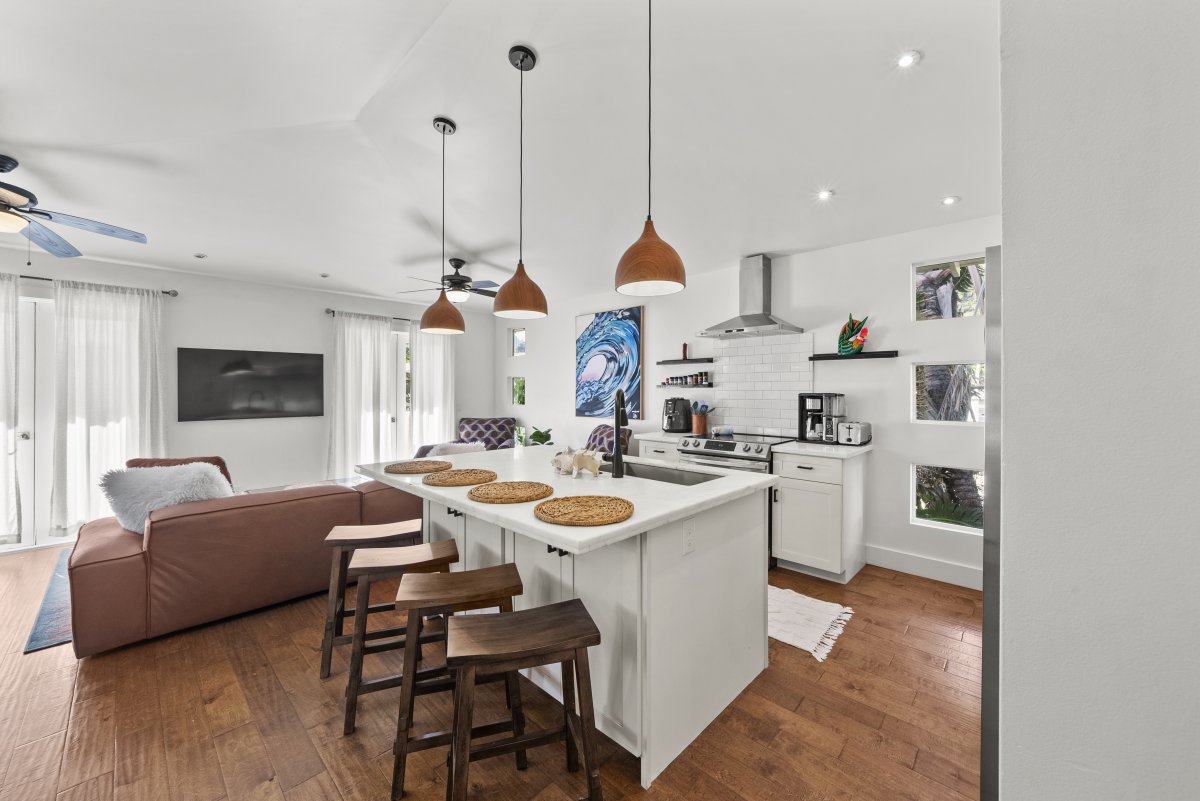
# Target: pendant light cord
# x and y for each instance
(443, 264)
(521, 162)
(649, 102)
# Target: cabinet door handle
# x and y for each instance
(775, 495)
(803, 467)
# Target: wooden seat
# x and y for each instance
(477, 645)
(368, 565)
(421, 595)
(344, 540)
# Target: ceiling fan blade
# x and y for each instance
(484, 284)
(47, 240)
(426, 280)
(89, 225)
(487, 293)
(410, 291)
(16, 197)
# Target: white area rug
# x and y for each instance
(803, 622)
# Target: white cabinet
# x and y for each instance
(479, 544)
(817, 515)
(666, 450)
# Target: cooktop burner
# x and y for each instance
(753, 439)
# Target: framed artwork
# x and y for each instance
(608, 357)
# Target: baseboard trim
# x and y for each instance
(926, 567)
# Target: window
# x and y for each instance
(948, 393)
(516, 339)
(400, 394)
(949, 496)
(517, 387)
(944, 290)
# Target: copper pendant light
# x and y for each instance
(520, 298)
(443, 317)
(650, 266)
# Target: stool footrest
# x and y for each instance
(510, 744)
(438, 739)
(372, 609)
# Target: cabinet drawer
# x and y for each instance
(655, 450)
(809, 468)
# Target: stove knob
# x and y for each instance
(758, 449)
(746, 447)
(686, 443)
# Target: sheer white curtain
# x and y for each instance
(108, 402)
(10, 494)
(432, 387)
(361, 430)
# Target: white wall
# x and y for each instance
(816, 291)
(1100, 533)
(217, 313)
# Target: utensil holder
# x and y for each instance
(699, 423)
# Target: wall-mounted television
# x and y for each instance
(249, 384)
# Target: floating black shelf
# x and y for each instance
(866, 354)
(686, 361)
(683, 386)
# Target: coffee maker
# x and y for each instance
(677, 416)
(820, 414)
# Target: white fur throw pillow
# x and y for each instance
(135, 492)
(447, 448)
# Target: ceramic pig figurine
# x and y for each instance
(564, 461)
(586, 461)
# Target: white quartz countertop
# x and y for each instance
(818, 449)
(660, 436)
(655, 503)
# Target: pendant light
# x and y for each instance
(650, 266)
(443, 317)
(520, 298)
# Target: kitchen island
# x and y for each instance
(678, 591)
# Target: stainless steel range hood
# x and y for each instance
(754, 305)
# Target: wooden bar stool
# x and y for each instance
(424, 594)
(486, 644)
(344, 540)
(369, 565)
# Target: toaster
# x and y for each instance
(853, 433)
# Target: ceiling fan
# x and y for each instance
(19, 213)
(459, 287)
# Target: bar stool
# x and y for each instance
(344, 540)
(484, 644)
(425, 594)
(369, 565)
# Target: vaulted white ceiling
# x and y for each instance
(286, 139)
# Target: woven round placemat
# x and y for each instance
(418, 466)
(510, 492)
(584, 510)
(459, 478)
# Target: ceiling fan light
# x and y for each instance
(520, 298)
(11, 223)
(650, 267)
(443, 318)
(458, 295)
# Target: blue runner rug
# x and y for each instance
(53, 623)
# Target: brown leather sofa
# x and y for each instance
(206, 560)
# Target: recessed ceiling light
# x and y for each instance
(826, 194)
(324, 275)
(951, 200)
(200, 255)
(909, 59)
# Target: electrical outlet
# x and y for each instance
(689, 536)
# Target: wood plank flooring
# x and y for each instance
(235, 711)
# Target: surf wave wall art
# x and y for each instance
(608, 357)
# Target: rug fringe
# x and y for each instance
(830, 637)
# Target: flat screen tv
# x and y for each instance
(249, 384)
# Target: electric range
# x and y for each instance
(733, 452)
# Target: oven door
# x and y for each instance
(726, 463)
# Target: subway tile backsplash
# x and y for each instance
(757, 380)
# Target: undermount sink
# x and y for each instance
(669, 475)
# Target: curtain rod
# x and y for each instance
(332, 312)
(172, 292)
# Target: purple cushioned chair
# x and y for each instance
(494, 432)
(601, 439)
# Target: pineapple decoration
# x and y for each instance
(852, 336)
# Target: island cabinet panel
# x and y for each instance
(608, 581)
(482, 544)
(808, 523)
(441, 523)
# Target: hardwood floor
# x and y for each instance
(235, 711)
